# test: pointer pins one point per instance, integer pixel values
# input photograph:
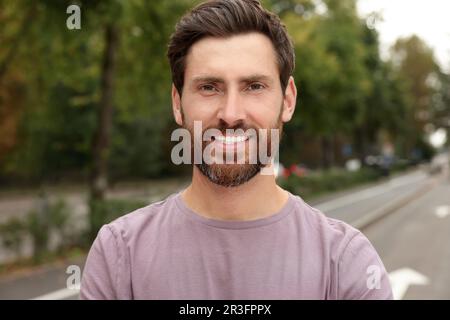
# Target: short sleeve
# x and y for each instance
(106, 275)
(361, 274)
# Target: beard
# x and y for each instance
(235, 174)
(229, 175)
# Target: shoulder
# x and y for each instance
(334, 232)
(141, 220)
(344, 245)
(357, 270)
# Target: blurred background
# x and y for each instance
(85, 124)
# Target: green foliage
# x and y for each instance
(318, 183)
(11, 235)
(50, 228)
(105, 211)
(345, 89)
(51, 218)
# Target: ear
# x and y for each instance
(176, 106)
(290, 98)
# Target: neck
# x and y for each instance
(258, 198)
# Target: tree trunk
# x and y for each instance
(361, 144)
(327, 152)
(101, 141)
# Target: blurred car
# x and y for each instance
(384, 163)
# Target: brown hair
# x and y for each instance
(223, 18)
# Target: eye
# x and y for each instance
(255, 87)
(207, 88)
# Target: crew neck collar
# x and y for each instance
(235, 224)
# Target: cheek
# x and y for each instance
(199, 109)
(266, 113)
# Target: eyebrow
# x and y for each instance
(248, 79)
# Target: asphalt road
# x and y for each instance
(416, 240)
(45, 280)
(351, 207)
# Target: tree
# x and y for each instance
(331, 75)
(415, 62)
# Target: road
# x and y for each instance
(416, 240)
(355, 206)
(45, 280)
(409, 227)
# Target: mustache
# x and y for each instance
(222, 126)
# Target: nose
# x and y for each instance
(232, 110)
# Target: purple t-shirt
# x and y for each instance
(167, 251)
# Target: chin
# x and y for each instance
(229, 175)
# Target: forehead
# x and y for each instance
(232, 57)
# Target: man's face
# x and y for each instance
(232, 83)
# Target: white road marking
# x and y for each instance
(59, 294)
(401, 279)
(442, 211)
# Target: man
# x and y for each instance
(233, 233)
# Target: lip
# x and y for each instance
(231, 143)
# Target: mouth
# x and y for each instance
(238, 148)
(230, 140)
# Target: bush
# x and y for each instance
(105, 211)
(320, 182)
(11, 236)
(50, 231)
(49, 221)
